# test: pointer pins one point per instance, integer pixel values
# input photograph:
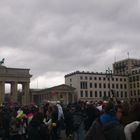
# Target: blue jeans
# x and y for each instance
(80, 133)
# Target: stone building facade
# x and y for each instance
(98, 86)
(63, 93)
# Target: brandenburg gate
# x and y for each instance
(15, 76)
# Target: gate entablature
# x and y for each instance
(15, 76)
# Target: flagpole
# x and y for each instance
(128, 54)
(37, 83)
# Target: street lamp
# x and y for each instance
(109, 76)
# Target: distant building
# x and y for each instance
(98, 86)
(63, 93)
(123, 83)
(124, 67)
(134, 85)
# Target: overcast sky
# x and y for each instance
(56, 37)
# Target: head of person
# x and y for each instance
(119, 111)
(112, 109)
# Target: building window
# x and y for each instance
(120, 79)
(138, 92)
(100, 85)
(99, 78)
(85, 77)
(86, 93)
(83, 85)
(126, 94)
(81, 77)
(100, 93)
(134, 85)
(108, 85)
(116, 79)
(121, 86)
(117, 93)
(134, 78)
(70, 80)
(121, 93)
(112, 85)
(130, 79)
(95, 85)
(108, 93)
(134, 92)
(104, 93)
(90, 78)
(124, 79)
(95, 78)
(90, 85)
(138, 85)
(137, 78)
(104, 78)
(91, 94)
(117, 86)
(125, 86)
(81, 93)
(95, 93)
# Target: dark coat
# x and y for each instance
(110, 131)
(37, 130)
(91, 114)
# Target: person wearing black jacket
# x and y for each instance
(37, 130)
(107, 126)
(91, 114)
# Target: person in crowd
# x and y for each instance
(91, 114)
(78, 122)
(6, 123)
(37, 130)
(68, 122)
(14, 127)
(132, 130)
(54, 122)
(107, 126)
(60, 118)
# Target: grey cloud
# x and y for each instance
(61, 36)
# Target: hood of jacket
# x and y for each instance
(108, 120)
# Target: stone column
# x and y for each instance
(25, 96)
(67, 100)
(14, 92)
(2, 91)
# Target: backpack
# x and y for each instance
(96, 131)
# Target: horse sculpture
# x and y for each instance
(2, 61)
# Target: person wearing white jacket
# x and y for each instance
(60, 118)
(130, 128)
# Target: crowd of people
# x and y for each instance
(104, 120)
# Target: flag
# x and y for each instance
(53, 93)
